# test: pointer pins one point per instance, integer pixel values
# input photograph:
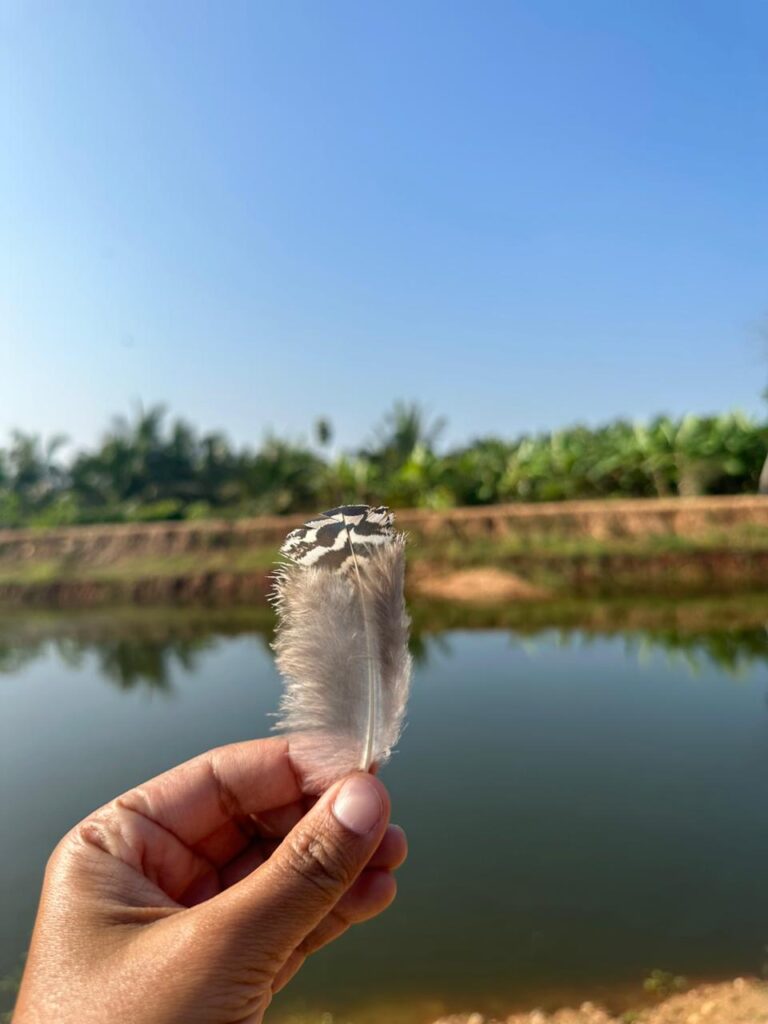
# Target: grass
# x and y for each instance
(33, 572)
(458, 552)
(29, 572)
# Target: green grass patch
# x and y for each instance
(142, 567)
(466, 552)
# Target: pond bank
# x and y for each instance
(535, 577)
(685, 547)
(736, 1002)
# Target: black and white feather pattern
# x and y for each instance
(332, 540)
(342, 642)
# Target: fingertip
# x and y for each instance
(399, 842)
(371, 894)
(381, 889)
(392, 850)
(361, 804)
(397, 830)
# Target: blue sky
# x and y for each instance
(521, 214)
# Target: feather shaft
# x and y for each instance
(366, 760)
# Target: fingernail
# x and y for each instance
(358, 805)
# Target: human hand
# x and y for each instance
(199, 894)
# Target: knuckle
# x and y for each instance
(323, 861)
(69, 856)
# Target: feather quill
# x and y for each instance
(342, 642)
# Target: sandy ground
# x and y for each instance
(482, 585)
(735, 1002)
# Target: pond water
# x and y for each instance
(582, 807)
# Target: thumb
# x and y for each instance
(270, 912)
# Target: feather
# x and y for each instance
(342, 642)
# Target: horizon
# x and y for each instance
(444, 443)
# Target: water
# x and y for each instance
(582, 807)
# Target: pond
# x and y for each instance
(584, 802)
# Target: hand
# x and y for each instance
(196, 896)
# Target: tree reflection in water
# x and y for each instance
(142, 647)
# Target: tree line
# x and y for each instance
(152, 467)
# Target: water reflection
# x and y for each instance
(600, 807)
(137, 648)
(127, 662)
(733, 652)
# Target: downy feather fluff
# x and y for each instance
(342, 642)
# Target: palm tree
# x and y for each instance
(33, 472)
(128, 464)
(403, 430)
(323, 431)
(762, 485)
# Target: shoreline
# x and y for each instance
(741, 1001)
(737, 1001)
(526, 553)
(488, 579)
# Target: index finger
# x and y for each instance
(195, 799)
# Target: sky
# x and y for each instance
(521, 214)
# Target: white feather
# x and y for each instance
(342, 648)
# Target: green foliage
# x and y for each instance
(168, 508)
(198, 510)
(664, 983)
(149, 468)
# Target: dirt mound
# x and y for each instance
(482, 586)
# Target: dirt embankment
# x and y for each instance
(215, 587)
(542, 576)
(518, 553)
(598, 520)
